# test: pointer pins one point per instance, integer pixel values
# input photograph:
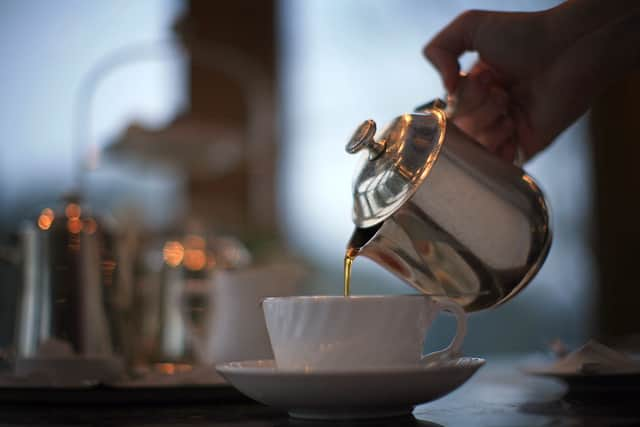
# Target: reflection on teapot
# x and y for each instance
(444, 214)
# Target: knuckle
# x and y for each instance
(469, 15)
(429, 51)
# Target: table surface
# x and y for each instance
(499, 395)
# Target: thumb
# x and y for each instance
(446, 64)
(455, 39)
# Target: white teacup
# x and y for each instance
(356, 332)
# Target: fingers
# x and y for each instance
(446, 64)
(528, 141)
(445, 48)
(471, 93)
(494, 107)
(507, 151)
(482, 110)
(497, 135)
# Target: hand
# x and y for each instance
(482, 110)
(538, 72)
(495, 100)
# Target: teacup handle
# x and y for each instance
(196, 338)
(453, 349)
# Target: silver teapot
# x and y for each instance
(444, 214)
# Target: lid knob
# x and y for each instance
(364, 137)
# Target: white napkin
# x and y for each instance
(593, 358)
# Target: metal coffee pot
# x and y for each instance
(444, 214)
(68, 307)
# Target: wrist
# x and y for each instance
(573, 19)
(583, 71)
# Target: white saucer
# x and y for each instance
(348, 394)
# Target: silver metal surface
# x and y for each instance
(364, 137)
(66, 303)
(387, 181)
(447, 216)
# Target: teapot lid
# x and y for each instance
(397, 162)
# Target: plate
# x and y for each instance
(392, 391)
(109, 395)
(197, 385)
(585, 383)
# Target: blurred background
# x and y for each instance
(188, 116)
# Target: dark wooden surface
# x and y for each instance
(499, 395)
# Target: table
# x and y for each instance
(499, 395)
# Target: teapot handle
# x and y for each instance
(197, 337)
(449, 108)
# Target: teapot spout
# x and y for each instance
(360, 238)
(419, 254)
(390, 246)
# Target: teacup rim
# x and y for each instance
(346, 298)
